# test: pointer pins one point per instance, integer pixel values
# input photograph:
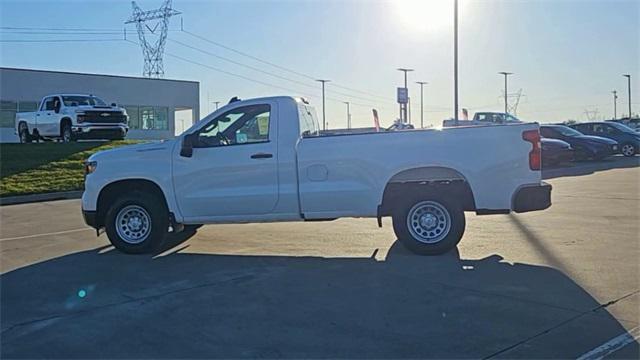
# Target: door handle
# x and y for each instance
(261, 156)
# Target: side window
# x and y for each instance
(546, 132)
(244, 125)
(610, 130)
(48, 104)
(482, 117)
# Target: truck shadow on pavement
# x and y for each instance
(580, 168)
(182, 305)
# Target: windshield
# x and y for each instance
(622, 127)
(567, 131)
(79, 100)
(512, 119)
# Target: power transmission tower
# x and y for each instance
(153, 50)
(592, 115)
(512, 106)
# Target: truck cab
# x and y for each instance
(69, 117)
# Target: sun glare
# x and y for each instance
(423, 15)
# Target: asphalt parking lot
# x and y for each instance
(552, 284)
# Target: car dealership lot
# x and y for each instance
(556, 283)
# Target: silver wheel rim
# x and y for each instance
(627, 150)
(66, 135)
(133, 224)
(23, 135)
(429, 222)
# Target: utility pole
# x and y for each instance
(615, 104)
(422, 83)
(506, 94)
(455, 62)
(348, 115)
(324, 119)
(403, 107)
(628, 76)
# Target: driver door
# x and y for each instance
(234, 166)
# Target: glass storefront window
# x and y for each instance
(26, 106)
(8, 111)
(161, 115)
(154, 118)
(134, 116)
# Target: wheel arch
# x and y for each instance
(421, 181)
(110, 192)
(65, 120)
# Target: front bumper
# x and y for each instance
(99, 131)
(90, 218)
(532, 198)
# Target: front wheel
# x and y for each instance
(429, 226)
(628, 150)
(66, 133)
(137, 223)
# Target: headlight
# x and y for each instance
(90, 167)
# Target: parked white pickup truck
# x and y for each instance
(72, 116)
(265, 160)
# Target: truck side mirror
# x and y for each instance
(186, 150)
(114, 105)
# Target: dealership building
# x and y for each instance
(157, 108)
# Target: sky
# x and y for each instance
(567, 56)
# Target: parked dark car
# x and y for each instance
(555, 152)
(632, 123)
(584, 146)
(628, 139)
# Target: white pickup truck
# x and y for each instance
(72, 116)
(263, 160)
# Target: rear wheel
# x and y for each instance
(23, 133)
(628, 150)
(137, 223)
(431, 225)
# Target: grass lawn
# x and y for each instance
(46, 167)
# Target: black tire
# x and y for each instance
(66, 135)
(23, 133)
(628, 150)
(158, 223)
(445, 241)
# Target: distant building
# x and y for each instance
(157, 108)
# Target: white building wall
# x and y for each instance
(33, 85)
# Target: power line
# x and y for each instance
(266, 72)
(60, 32)
(273, 64)
(54, 40)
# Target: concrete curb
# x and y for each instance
(24, 199)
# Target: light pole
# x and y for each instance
(403, 107)
(455, 62)
(324, 119)
(615, 104)
(348, 115)
(629, 89)
(422, 83)
(506, 96)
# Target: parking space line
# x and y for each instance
(612, 345)
(46, 234)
